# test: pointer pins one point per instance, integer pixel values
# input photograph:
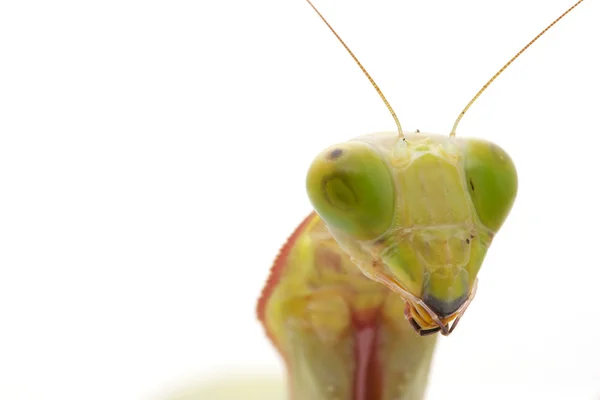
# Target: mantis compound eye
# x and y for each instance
(491, 181)
(351, 188)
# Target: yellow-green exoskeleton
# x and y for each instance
(417, 215)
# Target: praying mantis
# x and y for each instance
(388, 259)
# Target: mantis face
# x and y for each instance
(417, 215)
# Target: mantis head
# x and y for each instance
(416, 215)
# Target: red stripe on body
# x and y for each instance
(367, 374)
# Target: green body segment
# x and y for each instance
(342, 335)
(450, 197)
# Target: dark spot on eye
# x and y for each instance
(335, 154)
(468, 241)
(472, 236)
(472, 186)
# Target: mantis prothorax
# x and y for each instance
(401, 226)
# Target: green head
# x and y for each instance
(418, 215)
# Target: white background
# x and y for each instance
(152, 162)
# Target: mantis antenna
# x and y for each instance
(387, 104)
(501, 70)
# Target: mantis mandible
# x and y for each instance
(401, 226)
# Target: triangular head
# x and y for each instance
(417, 215)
